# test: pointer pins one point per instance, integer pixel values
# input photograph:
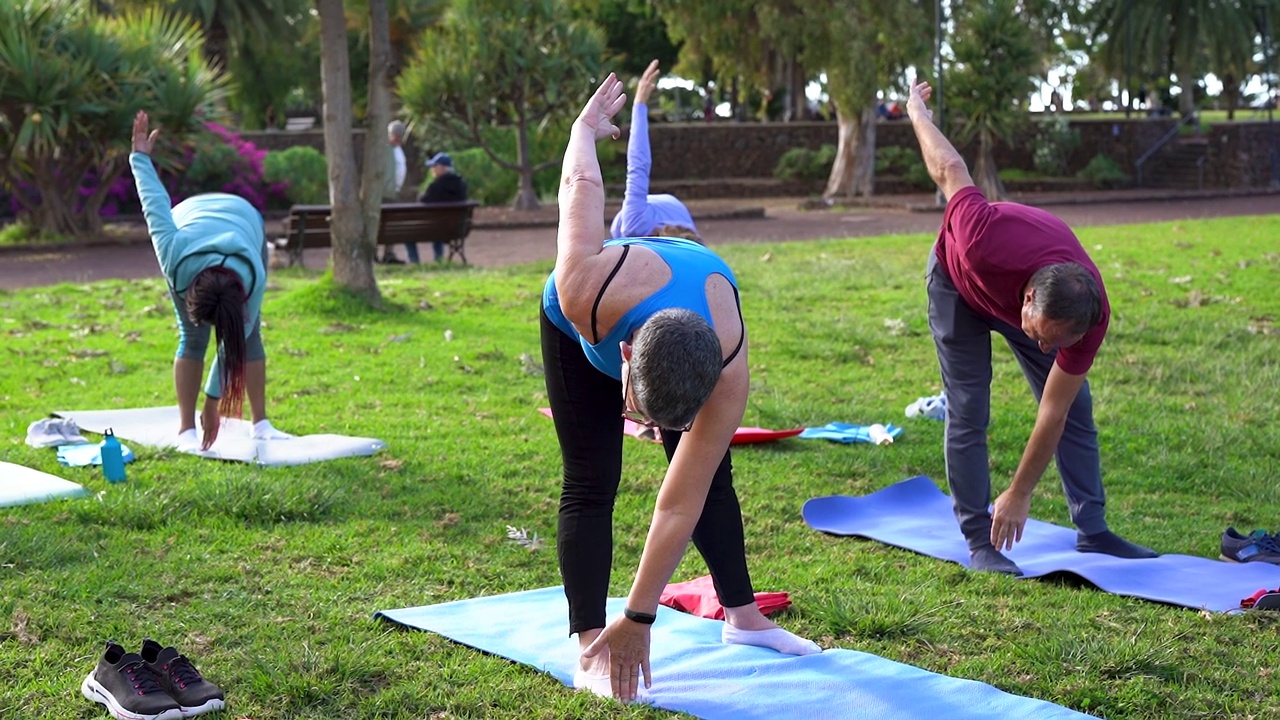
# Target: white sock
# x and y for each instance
(597, 684)
(188, 440)
(773, 638)
(264, 430)
(601, 685)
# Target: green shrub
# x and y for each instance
(22, 233)
(491, 184)
(1055, 140)
(1007, 174)
(487, 183)
(303, 169)
(903, 162)
(1103, 172)
(805, 164)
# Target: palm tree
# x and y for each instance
(228, 24)
(990, 80)
(1169, 37)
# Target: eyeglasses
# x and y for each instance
(629, 411)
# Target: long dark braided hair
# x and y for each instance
(216, 297)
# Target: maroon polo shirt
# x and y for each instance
(991, 250)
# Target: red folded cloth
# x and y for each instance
(1254, 598)
(698, 597)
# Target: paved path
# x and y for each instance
(494, 244)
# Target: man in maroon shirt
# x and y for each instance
(1021, 272)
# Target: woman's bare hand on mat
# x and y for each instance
(143, 142)
(1008, 518)
(210, 422)
(628, 644)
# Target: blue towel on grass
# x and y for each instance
(88, 454)
(846, 433)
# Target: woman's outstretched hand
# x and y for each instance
(142, 141)
(603, 105)
(648, 83)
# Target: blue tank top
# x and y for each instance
(691, 264)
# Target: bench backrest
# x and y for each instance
(308, 225)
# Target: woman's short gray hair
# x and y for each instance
(675, 364)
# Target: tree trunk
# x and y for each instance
(986, 176)
(854, 170)
(1187, 98)
(377, 150)
(352, 257)
(797, 101)
(527, 196)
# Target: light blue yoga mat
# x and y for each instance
(21, 485)
(916, 515)
(693, 672)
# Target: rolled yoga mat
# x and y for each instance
(695, 673)
(914, 514)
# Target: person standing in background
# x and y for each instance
(397, 169)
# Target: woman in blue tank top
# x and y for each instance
(649, 329)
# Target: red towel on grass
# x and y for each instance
(698, 597)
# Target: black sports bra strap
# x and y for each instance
(595, 335)
(737, 300)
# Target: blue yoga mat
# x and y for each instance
(693, 672)
(916, 515)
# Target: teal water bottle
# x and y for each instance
(112, 458)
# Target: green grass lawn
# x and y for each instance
(268, 578)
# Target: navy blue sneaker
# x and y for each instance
(1257, 546)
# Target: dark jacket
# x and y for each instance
(449, 187)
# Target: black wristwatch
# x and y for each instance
(639, 617)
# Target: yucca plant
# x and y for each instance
(70, 83)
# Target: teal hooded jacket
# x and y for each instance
(203, 231)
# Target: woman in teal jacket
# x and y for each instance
(212, 250)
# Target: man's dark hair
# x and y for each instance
(1067, 292)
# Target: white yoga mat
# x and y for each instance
(21, 485)
(158, 427)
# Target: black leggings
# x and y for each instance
(587, 408)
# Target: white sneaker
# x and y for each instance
(263, 430)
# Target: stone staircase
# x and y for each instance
(1179, 165)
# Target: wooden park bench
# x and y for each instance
(308, 227)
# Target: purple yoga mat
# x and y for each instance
(914, 514)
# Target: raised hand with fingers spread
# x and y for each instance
(598, 113)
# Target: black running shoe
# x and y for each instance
(129, 687)
(1257, 546)
(194, 694)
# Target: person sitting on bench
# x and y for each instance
(446, 187)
